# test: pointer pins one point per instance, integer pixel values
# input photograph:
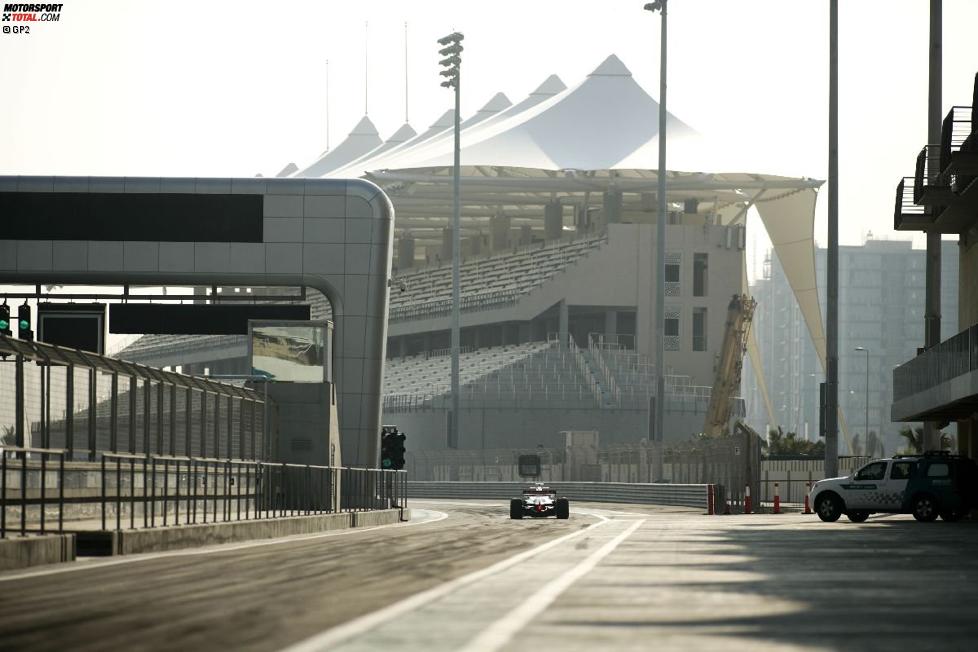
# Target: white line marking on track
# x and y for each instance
(500, 632)
(369, 621)
(210, 550)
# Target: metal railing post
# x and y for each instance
(194, 491)
(92, 415)
(61, 493)
(173, 424)
(133, 390)
(166, 491)
(176, 496)
(103, 487)
(70, 410)
(23, 494)
(44, 469)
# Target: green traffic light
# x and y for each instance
(24, 324)
(386, 463)
(4, 324)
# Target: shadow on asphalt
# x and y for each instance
(886, 584)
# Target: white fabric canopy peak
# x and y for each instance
(361, 140)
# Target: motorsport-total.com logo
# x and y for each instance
(30, 13)
(27, 13)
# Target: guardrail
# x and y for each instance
(682, 495)
(25, 469)
(127, 491)
(235, 490)
(951, 358)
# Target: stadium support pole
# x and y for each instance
(456, 269)
(932, 268)
(832, 264)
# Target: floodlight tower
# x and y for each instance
(660, 249)
(452, 48)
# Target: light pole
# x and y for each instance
(831, 414)
(660, 246)
(866, 350)
(453, 64)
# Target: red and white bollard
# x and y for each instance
(808, 490)
(747, 499)
(777, 499)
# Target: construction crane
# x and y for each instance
(726, 382)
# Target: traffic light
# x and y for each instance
(392, 448)
(5, 320)
(24, 331)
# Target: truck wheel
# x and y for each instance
(952, 515)
(924, 508)
(828, 506)
(516, 508)
(563, 508)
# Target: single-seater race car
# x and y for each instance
(539, 500)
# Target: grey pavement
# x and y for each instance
(610, 578)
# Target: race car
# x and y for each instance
(539, 500)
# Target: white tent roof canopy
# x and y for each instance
(361, 140)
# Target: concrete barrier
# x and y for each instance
(130, 542)
(380, 517)
(21, 552)
(683, 495)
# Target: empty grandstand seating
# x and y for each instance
(486, 282)
(496, 376)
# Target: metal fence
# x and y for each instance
(29, 481)
(125, 491)
(733, 462)
(685, 495)
(951, 358)
(84, 403)
(791, 478)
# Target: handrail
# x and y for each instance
(23, 453)
(951, 358)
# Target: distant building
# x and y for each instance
(881, 308)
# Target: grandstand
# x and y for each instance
(486, 282)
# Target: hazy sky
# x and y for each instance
(232, 88)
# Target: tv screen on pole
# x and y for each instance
(290, 351)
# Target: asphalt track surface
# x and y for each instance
(462, 576)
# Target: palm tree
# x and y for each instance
(915, 439)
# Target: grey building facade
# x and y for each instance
(881, 308)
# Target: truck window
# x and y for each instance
(901, 470)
